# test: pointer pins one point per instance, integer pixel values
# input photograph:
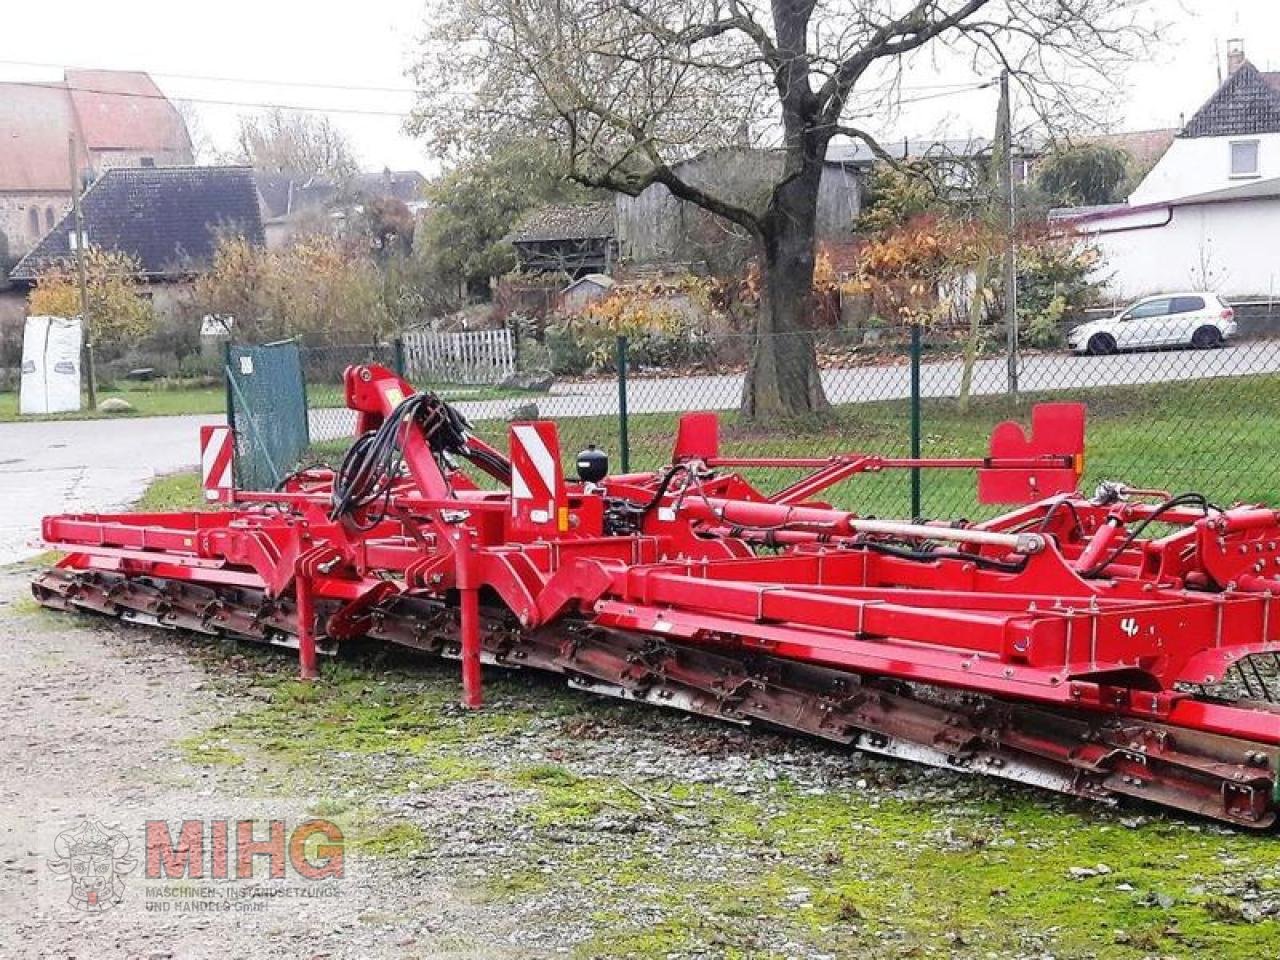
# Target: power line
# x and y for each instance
(360, 111)
(209, 78)
(360, 88)
(247, 104)
(257, 105)
(954, 91)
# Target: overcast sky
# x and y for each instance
(284, 51)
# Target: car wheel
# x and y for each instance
(1206, 338)
(1100, 344)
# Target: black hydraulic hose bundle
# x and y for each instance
(373, 464)
(1181, 500)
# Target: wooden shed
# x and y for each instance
(570, 238)
(656, 227)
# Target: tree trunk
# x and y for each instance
(783, 378)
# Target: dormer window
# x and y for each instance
(1244, 158)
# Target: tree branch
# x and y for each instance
(897, 37)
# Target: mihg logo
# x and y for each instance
(95, 859)
(195, 865)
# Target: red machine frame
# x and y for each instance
(1102, 652)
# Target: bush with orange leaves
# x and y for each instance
(317, 288)
(118, 310)
(825, 305)
(668, 321)
(919, 272)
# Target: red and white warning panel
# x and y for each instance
(217, 451)
(539, 502)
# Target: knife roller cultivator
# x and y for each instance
(1125, 644)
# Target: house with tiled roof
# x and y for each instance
(170, 219)
(1144, 148)
(1233, 138)
(1202, 216)
(118, 119)
(293, 204)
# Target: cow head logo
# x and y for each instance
(95, 859)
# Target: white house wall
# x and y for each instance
(1196, 165)
(1227, 248)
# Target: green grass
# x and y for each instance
(173, 491)
(157, 399)
(166, 398)
(1221, 437)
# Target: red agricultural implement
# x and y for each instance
(1124, 645)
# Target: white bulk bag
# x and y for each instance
(50, 365)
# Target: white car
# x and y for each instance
(1200, 320)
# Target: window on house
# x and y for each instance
(33, 221)
(1244, 158)
(48, 218)
(148, 162)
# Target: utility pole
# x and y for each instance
(85, 325)
(1004, 147)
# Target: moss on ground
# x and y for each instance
(396, 838)
(856, 871)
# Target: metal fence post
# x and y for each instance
(226, 382)
(397, 356)
(306, 396)
(624, 445)
(916, 512)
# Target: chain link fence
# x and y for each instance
(1166, 418)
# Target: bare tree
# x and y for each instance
(629, 88)
(203, 149)
(297, 144)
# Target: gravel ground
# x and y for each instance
(94, 717)
(554, 824)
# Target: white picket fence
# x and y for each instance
(473, 356)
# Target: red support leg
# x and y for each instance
(472, 697)
(469, 599)
(306, 630)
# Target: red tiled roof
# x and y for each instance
(119, 110)
(1144, 146)
(35, 120)
(107, 110)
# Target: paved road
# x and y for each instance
(83, 465)
(98, 465)
(658, 394)
(892, 382)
